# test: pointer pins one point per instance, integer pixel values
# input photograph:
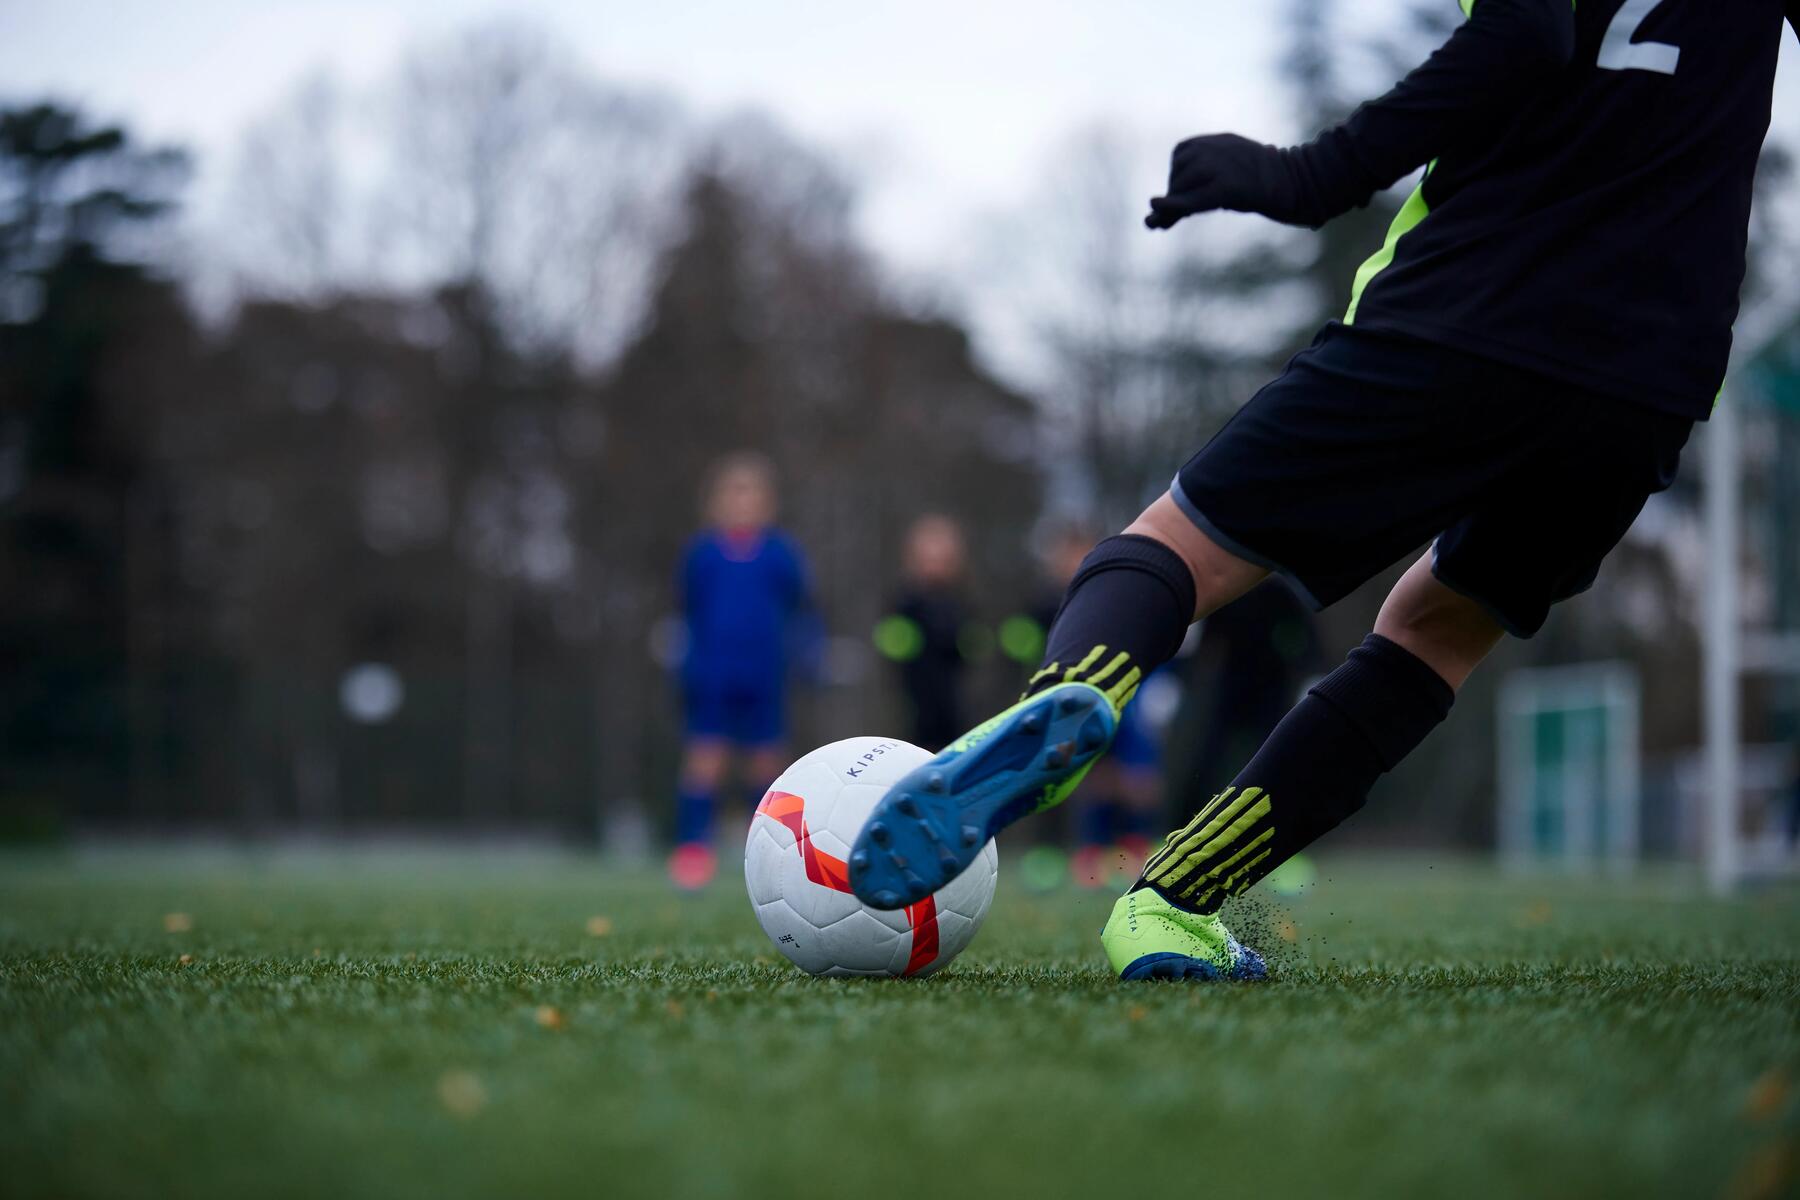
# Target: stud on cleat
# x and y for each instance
(936, 820)
(1093, 736)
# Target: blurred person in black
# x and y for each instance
(926, 632)
(1115, 812)
(1252, 662)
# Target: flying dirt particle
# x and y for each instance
(1136, 1013)
(598, 926)
(1538, 914)
(461, 1094)
(185, 959)
(1287, 930)
(177, 922)
(1257, 922)
(674, 1009)
(549, 1017)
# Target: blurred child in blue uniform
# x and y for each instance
(745, 598)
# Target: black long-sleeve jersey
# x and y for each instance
(1586, 203)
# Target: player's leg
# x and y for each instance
(1317, 766)
(1315, 769)
(1533, 537)
(1094, 820)
(705, 758)
(1126, 613)
(1289, 484)
(1447, 631)
(1120, 805)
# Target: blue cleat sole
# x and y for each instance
(935, 820)
(1249, 966)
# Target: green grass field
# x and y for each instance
(414, 1026)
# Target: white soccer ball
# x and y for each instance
(795, 867)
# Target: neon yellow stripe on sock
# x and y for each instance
(1227, 885)
(1120, 693)
(1175, 840)
(1231, 834)
(1075, 671)
(1218, 869)
(1118, 660)
(1228, 820)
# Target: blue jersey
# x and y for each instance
(743, 599)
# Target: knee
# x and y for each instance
(1219, 575)
(764, 766)
(1447, 631)
(703, 765)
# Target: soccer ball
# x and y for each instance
(794, 866)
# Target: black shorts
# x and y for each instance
(1370, 445)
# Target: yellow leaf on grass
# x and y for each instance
(461, 1093)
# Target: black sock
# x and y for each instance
(1314, 771)
(1125, 614)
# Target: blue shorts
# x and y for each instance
(1371, 445)
(744, 715)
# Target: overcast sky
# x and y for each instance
(945, 108)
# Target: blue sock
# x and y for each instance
(694, 808)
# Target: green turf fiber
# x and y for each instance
(410, 1026)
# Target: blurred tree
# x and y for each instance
(767, 331)
(81, 316)
(491, 160)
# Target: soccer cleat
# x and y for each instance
(1148, 938)
(935, 820)
(692, 866)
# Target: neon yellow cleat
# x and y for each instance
(1148, 938)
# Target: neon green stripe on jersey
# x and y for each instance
(1411, 213)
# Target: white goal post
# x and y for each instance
(1729, 651)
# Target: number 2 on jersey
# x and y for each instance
(1619, 53)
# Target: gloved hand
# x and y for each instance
(1223, 170)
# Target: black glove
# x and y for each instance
(1223, 170)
